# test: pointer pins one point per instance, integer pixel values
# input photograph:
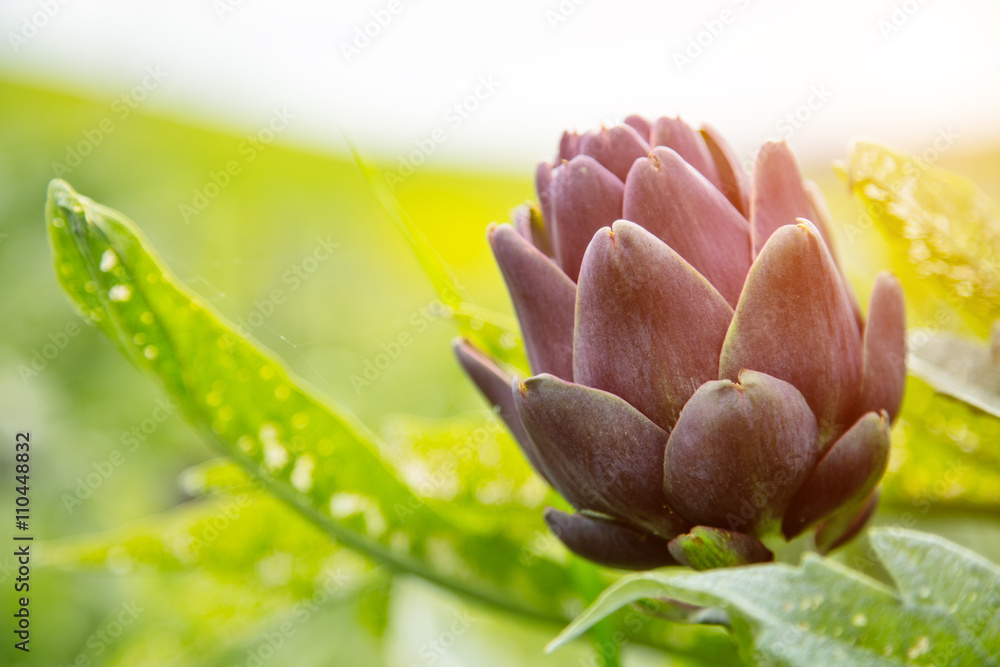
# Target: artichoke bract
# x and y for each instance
(704, 386)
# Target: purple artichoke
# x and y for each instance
(704, 386)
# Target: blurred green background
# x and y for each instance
(82, 404)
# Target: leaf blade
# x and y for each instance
(776, 617)
(939, 224)
(963, 369)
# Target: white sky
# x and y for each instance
(606, 59)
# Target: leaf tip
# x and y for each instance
(560, 640)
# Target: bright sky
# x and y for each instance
(899, 70)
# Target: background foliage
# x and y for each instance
(221, 572)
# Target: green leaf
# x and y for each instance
(496, 333)
(589, 582)
(961, 368)
(217, 476)
(939, 224)
(958, 587)
(307, 451)
(947, 440)
(946, 455)
(943, 610)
